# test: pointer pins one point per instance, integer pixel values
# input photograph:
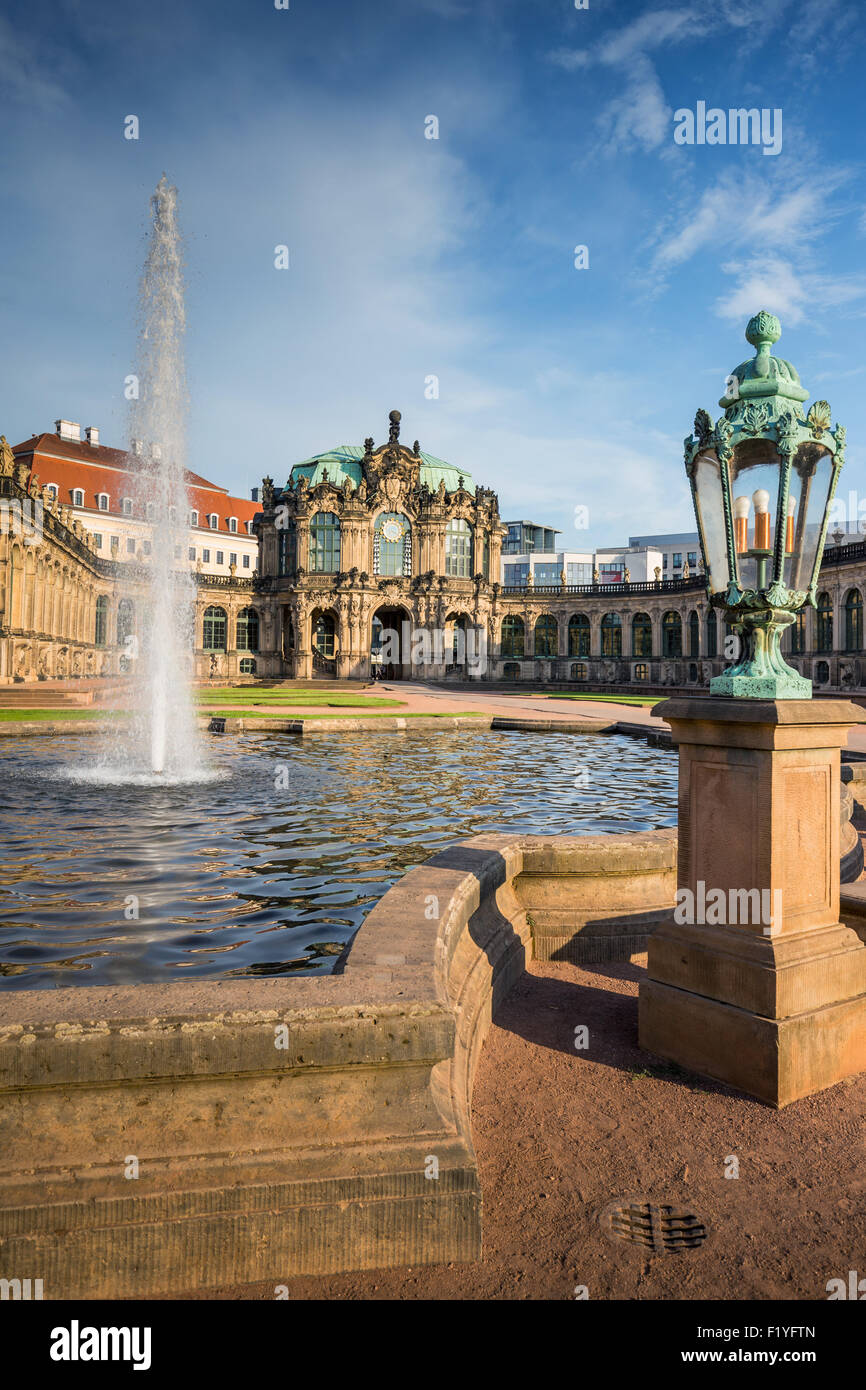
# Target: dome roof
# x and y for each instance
(344, 461)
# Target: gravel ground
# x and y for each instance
(561, 1133)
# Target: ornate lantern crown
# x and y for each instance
(762, 481)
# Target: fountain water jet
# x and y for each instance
(162, 741)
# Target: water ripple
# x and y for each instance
(271, 866)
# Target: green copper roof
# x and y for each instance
(345, 462)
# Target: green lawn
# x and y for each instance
(251, 698)
(29, 716)
(608, 699)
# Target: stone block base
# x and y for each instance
(132, 1247)
(776, 1060)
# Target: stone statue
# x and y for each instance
(394, 429)
(595, 576)
(7, 458)
(626, 575)
(267, 493)
(686, 570)
(658, 573)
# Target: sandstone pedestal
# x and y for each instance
(758, 984)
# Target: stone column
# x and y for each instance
(774, 1004)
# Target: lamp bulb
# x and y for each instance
(761, 499)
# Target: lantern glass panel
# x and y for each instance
(755, 472)
(711, 520)
(811, 475)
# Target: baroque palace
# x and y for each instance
(361, 552)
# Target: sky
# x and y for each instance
(412, 258)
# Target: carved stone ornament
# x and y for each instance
(392, 486)
(7, 458)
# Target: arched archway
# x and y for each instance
(390, 644)
(324, 641)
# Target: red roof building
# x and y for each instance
(99, 483)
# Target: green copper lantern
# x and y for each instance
(762, 479)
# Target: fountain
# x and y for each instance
(161, 741)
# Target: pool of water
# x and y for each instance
(270, 867)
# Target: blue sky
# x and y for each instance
(452, 257)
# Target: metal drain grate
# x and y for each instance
(658, 1228)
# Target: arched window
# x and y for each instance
(853, 620)
(512, 638)
(641, 637)
(485, 557)
(578, 635)
(214, 629)
(287, 548)
(822, 673)
(578, 671)
(511, 671)
(458, 549)
(546, 635)
(100, 635)
(825, 623)
(324, 634)
(125, 621)
(247, 630)
(324, 543)
(248, 666)
(611, 635)
(392, 544)
(694, 634)
(798, 634)
(712, 634)
(672, 635)
(641, 671)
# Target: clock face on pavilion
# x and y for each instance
(392, 530)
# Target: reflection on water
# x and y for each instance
(272, 865)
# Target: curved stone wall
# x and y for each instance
(279, 1127)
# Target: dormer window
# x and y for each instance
(193, 518)
(213, 521)
(233, 524)
(52, 489)
(126, 506)
(77, 497)
(102, 501)
(150, 510)
(249, 526)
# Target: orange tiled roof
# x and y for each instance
(96, 468)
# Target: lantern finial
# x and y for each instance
(763, 328)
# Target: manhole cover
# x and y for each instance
(659, 1228)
